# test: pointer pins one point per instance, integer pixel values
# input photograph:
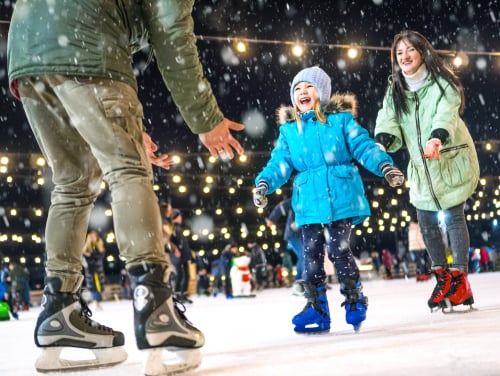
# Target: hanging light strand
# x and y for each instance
(329, 45)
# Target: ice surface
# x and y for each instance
(255, 336)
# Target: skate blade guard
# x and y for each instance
(64, 359)
(170, 361)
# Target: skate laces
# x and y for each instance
(440, 285)
(86, 314)
(456, 281)
(180, 309)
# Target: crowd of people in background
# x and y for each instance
(204, 274)
(15, 291)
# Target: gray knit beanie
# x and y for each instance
(318, 78)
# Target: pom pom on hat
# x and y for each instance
(318, 78)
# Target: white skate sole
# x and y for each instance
(171, 361)
(75, 358)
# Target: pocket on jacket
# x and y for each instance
(298, 191)
(118, 107)
(344, 180)
(455, 165)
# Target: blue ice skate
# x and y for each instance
(315, 317)
(355, 303)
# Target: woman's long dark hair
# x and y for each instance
(434, 64)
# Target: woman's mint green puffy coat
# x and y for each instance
(434, 184)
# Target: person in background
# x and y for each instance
(376, 261)
(416, 246)
(202, 269)
(93, 265)
(422, 108)
(125, 284)
(293, 237)
(388, 262)
(5, 293)
(20, 285)
(258, 265)
(225, 263)
(71, 65)
(484, 259)
(182, 258)
(401, 260)
(318, 141)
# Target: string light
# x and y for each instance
(297, 50)
(302, 46)
(352, 53)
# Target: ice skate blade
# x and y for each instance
(356, 327)
(313, 333)
(50, 359)
(452, 309)
(170, 361)
(312, 330)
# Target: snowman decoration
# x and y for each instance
(240, 276)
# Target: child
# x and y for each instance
(318, 140)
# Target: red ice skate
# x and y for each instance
(442, 288)
(460, 290)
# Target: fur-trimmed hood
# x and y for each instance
(339, 102)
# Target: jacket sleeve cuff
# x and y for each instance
(13, 89)
(441, 134)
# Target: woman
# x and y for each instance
(422, 108)
(318, 141)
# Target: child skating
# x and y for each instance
(318, 140)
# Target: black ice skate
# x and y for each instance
(161, 325)
(65, 322)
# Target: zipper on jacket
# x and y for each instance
(421, 148)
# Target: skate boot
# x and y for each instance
(298, 287)
(315, 317)
(442, 287)
(161, 325)
(460, 291)
(65, 322)
(355, 303)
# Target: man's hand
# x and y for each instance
(163, 160)
(220, 142)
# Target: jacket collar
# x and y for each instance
(339, 102)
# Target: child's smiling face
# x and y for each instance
(305, 96)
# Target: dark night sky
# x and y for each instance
(258, 82)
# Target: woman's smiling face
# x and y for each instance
(305, 96)
(408, 57)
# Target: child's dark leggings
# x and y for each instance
(335, 239)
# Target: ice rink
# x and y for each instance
(255, 336)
